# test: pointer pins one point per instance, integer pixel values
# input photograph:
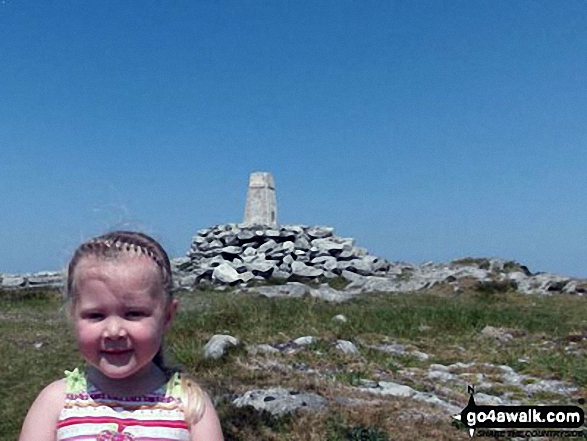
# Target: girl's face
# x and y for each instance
(120, 313)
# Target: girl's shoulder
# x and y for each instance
(199, 409)
(41, 420)
(53, 396)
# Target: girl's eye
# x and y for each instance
(93, 316)
(135, 314)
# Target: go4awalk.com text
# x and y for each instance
(528, 421)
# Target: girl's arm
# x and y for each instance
(207, 428)
(40, 423)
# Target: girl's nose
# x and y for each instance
(115, 329)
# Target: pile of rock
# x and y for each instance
(232, 254)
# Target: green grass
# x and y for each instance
(434, 323)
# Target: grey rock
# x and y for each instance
(356, 279)
(422, 356)
(180, 263)
(352, 402)
(263, 268)
(218, 344)
(347, 255)
(213, 262)
(46, 278)
(246, 276)
(301, 243)
(267, 247)
(440, 376)
(287, 247)
(482, 399)
(438, 367)
(359, 266)
(13, 281)
(319, 232)
(280, 401)
(498, 334)
(347, 347)
(272, 233)
(225, 273)
(279, 274)
(245, 235)
(340, 318)
(322, 259)
(305, 341)
(303, 270)
(552, 386)
(264, 348)
(249, 252)
(290, 289)
(231, 250)
(327, 245)
(215, 244)
(186, 281)
(381, 284)
(435, 400)
(393, 389)
(329, 294)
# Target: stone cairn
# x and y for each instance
(232, 254)
(258, 249)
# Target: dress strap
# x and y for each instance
(76, 381)
(174, 388)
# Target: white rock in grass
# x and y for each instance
(438, 367)
(290, 289)
(422, 356)
(499, 334)
(482, 399)
(329, 294)
(340, 318)
(347, 347)
(393, 389)
(433, 399)
(305, 341)
(217, 345)
(440, 375)
(265, 348)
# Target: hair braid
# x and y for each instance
(114, 244)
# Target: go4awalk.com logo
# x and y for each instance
(528, 421)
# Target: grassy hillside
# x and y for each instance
(547, 339)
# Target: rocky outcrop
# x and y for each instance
(43, 279)
(293, 255)
(494, 384)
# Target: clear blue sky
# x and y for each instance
(426, 130)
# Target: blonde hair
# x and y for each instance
(120, 243)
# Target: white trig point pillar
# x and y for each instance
(261, 207)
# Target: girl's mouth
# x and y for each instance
(116, 351)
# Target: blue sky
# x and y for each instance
(426, 130)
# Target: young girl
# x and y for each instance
(119, 298)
